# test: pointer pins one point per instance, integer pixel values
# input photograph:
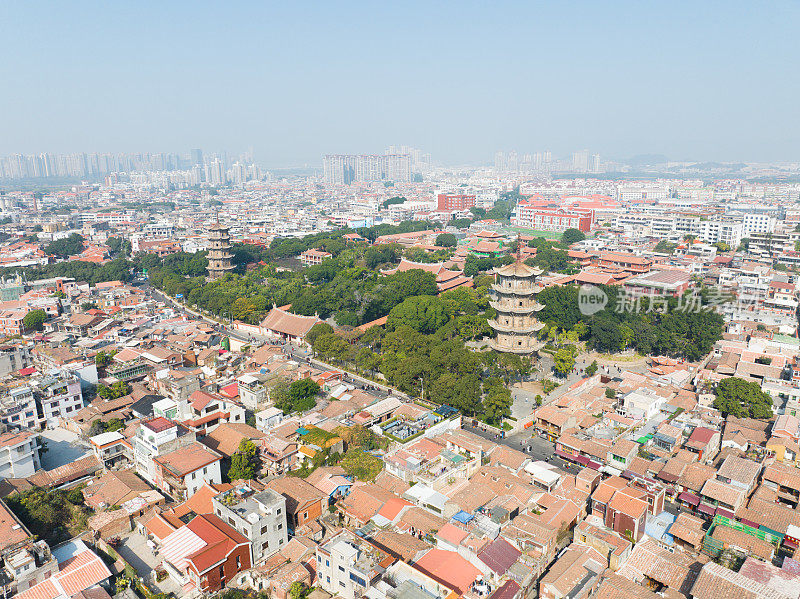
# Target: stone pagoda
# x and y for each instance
(514, 299)
(219, 254)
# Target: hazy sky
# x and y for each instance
(295, 80)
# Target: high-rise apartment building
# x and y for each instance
(420, 161)
(215, 172)
(341, 169)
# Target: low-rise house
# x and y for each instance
(716, 582)
(26, 562)
(688, 531)
(155, 437)
(314, 256)
(269, 418)
(111, 448)
(785, 451)
(717, 495)
(626, 513)
(740, 473)
(58, 396)
(259, 516)
(452, 570)
(667, 437)
(18, 408)
(550, 422)
(253, 392)
(19, 454)
(206, 554)
(592, 533)
(181, 472)
(226, 438)
(727, 537)
(621, 454)
(333, 482)
(80, 571)
(575, 575)
(277, 455)
(283, 325)
(704, 442)
(348, 566)
(785, 481)
(304, 502)
(205, 411)
(643, 403)
(652, 565)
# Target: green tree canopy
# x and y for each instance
(393, 200)
(563, 361)
(114, 391)
(321, 328)
(571, 236)
(34, 320)
(299, 396)
(665, 247)
(446, 240)
(741, 398)
(423, 313)
(361, 464)
(497, 401)
(69, 246)
(245, 462)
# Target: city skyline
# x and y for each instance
(460, 83)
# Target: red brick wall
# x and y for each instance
(211, 581)
(314, 511)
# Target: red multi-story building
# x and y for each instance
(455, 201)
(206, 555)
(532, 216)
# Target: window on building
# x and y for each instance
(357, 580)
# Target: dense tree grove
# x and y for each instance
(69, 246)
(423, 346)
(50, 514)
(649, 329)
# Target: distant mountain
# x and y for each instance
(729, 166)
(647, 160)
